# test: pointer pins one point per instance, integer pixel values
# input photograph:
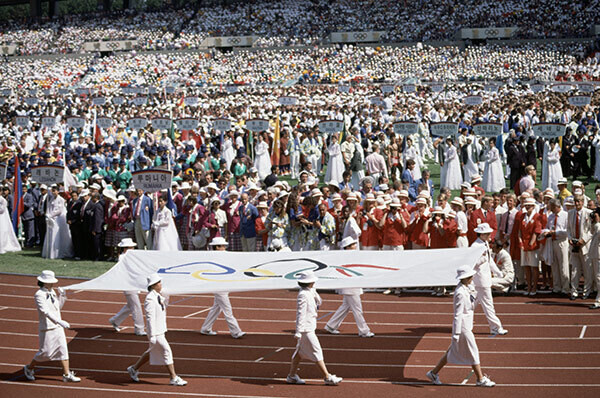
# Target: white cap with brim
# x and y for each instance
(127, 242)
(47, 277)
(307, 277)
(484, 229)
(464, 272)
(347, 241)
(153, 279)
(219, 241)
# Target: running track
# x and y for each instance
(553, 348)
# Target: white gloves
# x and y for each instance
(62, 291)
(153, 340)
(297, 336)
(455, 337)
(64, 324)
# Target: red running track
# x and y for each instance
(553, 348)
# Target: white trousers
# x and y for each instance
(560, 266)
(503, 283)
(316, 163)
(223, 304)
(295, 164)
(596, 269)
(142, 238)
(350, 303)
(248, 244)
(462, 241)
(371, 248)
(484, 297)
(394, 248)
(133, 308)
(581, 264)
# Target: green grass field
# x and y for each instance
(30, 261)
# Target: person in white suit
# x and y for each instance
(308, 346)
(483, 279)
(579, 231)
(159, 352)
(53, 342)
(221, 304)
(351, 302)
(133, 306)
(463, 348)
(504, 262)
(594, 255)
(556, 233)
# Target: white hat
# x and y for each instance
(219, 241)
(421, 201)
(252, 186)
(47, 277)
(370, 198)
(121, 198)
(484, 228)
(153, 279)
(458, 201)
(569, 201)
(383, 187)
(475, 178)
(185, 185)
(347, 241)
(403, 193)
(95, 186)
(549, 194)
(452, 214)
(234, 193)
(464, 272)
(43, 186)
(262, 205)
(109, 193)
(336, 196)
(307, 277)
(127, 242)
(174, 184)
(437, 210)
(562, 181)
(395, 203)
(465, 185)
(316, 192)
(217, 199)
(577, 184)
(470, 192)
(84, 192)
(529, 202)
(276, 244)
(282, 195)
(351, 196)
(212, 185)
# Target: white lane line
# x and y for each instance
(197, 312)
(273, 353)
(3, 308)
(78, 291)
(467, 378)
(95, 337)
(583, 329)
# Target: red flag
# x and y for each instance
(98, 136)
(276, 141)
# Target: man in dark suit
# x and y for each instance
(40, 215)
(74, 220)
(28, 216)
(94, 214)
(409, 180)
(515, 154)
(86, 238)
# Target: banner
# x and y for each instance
(31, 101)
(257, 125)
(406, 128)
(6, 92)
(104, 122)
(356, 37)
(9, 49)
(196, 272)
(343, 88)
(580, 100)
(387, 88)
(473, 100)
(98, 101)
(491, 32)
(137, 123)
(378, 101)
(47, 174)
(491, 88)
(288, 100)
(586, 88)
(487, 129)
(536, 88)
(437, 87)
(22, 121)
(187, 123)
(549, 130)
(139, 100)
(443, 129)
(151, 180)
(82, 91)
(191, 101)
(161, 123)
(113, 45)
(75, 122)
(232, 89)
(48, 121)
(2, 100)
(118, 100)
(409, 88)
(222, 124)
(331, 126)
(229, 41)
(561, 88)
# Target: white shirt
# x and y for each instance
(559, 223)
(461, 220)
(307, 307)
(155, 306)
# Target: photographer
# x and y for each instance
(579, 231)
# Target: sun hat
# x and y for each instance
(475, 178)
(403, 193)
(262, 205)
(529, 202)
(347, 241)
(126, 242)
(484, 228)
(395, 203)
(219, 241)
(464, 272)
(307, 277)
(458, 201)
(121, 198)
(421, 201)
(437, 210)
(153, 279)
(47, 277)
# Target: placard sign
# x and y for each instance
(288, 100)
(31, 101)
(2, 172)
(191, 101)
(152, 90)
(6, 92)
(222, 124)
(151, 180)
(586, 87)
(437, 87)
(2, 100)
(137, 123)
(22, 121)
(104, 122)
(257, 125)
(473, 100)
(76, 122)
(406, 128)
(491, 88)
(47, 175)
(48, 121)
(161, 123)
(187, 123)
(118, 100)
(561, 88)
(342, 88)
(139, 101)
(232, 89)
(409, 88)
(387, 88)
(170, 89)
(98, 101)
(549, 130)
(82, 91)
(443, 129)
(536, 88)
(32, 92)
(63, 91)
(128, 90)
(331, 126)
(488, 129)
(378, 101)
(580, 100)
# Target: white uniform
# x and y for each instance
(483, 285)
(580, 260)
(504, 262)
(463, 227)
(463, 350)
(53, 342)
(133, 308)
(221, 303)
(560, 251)
(156, 322)
(351, 302)
(594, 255)
(307, 305)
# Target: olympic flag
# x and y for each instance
(194, 272)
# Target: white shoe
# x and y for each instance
(142, 333)
(485, 382)
(370, 334)
(239, 335)
(295, 379)
(29, 373)
(208, 332)
(435, 379)
(134, 374)
(177, 381)
(387, 291)
(500, 331)
(115, 326)
(331, 330)
(333, 380)
(71, 378)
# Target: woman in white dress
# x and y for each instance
(493, 176)
(554, 168)
(262, 159)
(596, 144)
(308, 346)
(463, 348)
(8, 239)
(228, 151)
(410, 152)
(165, 231)
(57, 243)
(335, 166)
(470, 167)
(452, 167)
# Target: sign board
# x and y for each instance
(48, 121)
(75, 122)
(104, 122)
(161, 123)
(46, 92)
(356, 37)
(406, 128)
(152, 90)
(22, 121)
(128, 90)
(387, 88)
(257, 125)
(487, 129)
(491, 32)
(31, 101)
(378, 101)
(491, 88)
(170, 89)
(63, 91)
(222, 124)
(231, 89)
(82, 91)
(437, 87)
(191, 101)
(580, 100)
(536, 88)
(229, 41)
(409, 88)
(139, 101)
(2, 172)
(586, 87)
(118, 100)
(187, 123)
(32, 92)
(151, 180)
(443, 129)
(99, 101)
(288, 100)
(9, 49)
(331, 126)
(2, 100)
(549, 130)
(6, 92)
(342, 88)
(473, 100)
(137, 123)
(113, 45)
(561, 88)
(47, 175)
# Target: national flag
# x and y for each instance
(170, 203)
(18, 207)
(344, 132)
(276, 143)
(172, 131)
(181, 102)
(68, 179)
